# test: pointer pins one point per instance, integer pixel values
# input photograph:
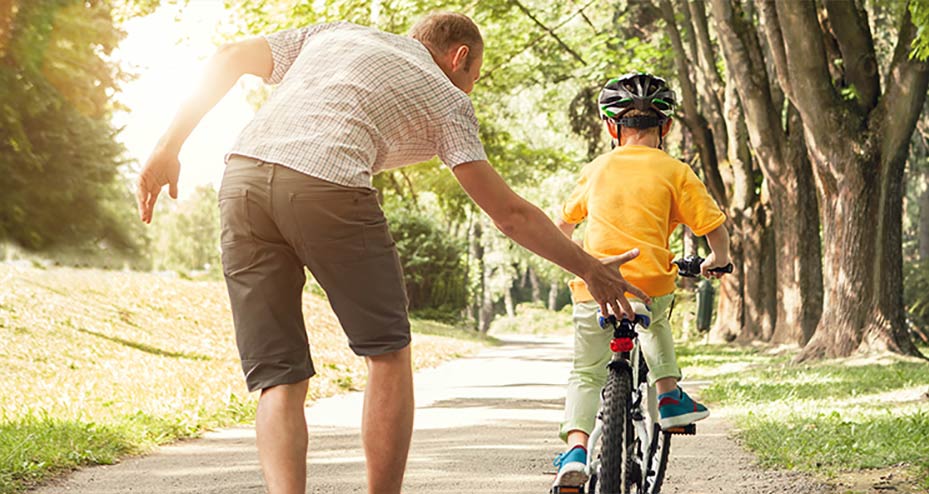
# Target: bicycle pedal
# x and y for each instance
(567, 489)
(686, 430)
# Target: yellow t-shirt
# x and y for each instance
(635, 196)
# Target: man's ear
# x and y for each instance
(666, 127)
(460, 56)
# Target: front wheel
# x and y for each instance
(618, 472)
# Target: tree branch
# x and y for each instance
(811, 89)
(586, 19)
(907, 82)
(767, 14)
(851, 30)
(549, 31)
(692, 117)
(745, 66)
(488, 73)
(710, 83)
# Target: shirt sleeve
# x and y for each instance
(459, 138)
(574, 209)
(286, 46)
(695, 207)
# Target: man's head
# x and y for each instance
(638, 106)
(456, 45)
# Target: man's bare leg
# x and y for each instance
(282, 437)
(388, 420)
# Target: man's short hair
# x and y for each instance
(440, 31)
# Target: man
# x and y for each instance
(351, 101)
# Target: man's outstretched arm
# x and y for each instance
(530, 227)
(223, 70)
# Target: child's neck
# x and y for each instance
(649, 139)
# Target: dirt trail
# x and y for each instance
(483, 423)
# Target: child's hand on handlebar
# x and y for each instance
(712, 262)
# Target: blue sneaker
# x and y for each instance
(572, 467)
(676, 409)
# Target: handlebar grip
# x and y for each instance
(725, 269)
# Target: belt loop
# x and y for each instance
(271, 169)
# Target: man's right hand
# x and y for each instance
(608, 287)
(161, 169)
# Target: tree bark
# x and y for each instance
(508, 300)
(553, 294)
(534, 282)
(924, 220)
(787, 175)
(859, 154)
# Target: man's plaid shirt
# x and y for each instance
(353, 101)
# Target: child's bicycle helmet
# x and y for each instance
(638, 91)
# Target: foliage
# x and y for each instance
(186, 235)
(60, 162)
(533, 318)
(916, 293)
(436, 277)
(116, 363)
(919, 10)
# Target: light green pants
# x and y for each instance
(592, 354)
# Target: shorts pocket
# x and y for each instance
(330, 225)
(238, 245)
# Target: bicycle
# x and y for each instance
(634, 449)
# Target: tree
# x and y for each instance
(187, 235)
(778, 146)
(712, 112)
(59, 159)
(857, 129)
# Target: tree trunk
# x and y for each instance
(536, 288)
(689, 241)
(476, 253)
(859, 151)
(796, 220)
(731, 305)
(508, 300)
(788, 175)
(924, 220)
(553, 294)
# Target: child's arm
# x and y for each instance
(568, 230)
(719, 255)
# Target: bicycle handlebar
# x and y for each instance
(689, 267)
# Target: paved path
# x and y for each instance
(483, 423)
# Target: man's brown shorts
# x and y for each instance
(275, 221)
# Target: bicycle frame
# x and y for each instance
(645, 419)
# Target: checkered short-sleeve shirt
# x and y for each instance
(352, 101)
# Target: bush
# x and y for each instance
(916, 294)
(436, 278)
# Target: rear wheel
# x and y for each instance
(618, 472)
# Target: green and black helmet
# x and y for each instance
(638, 91)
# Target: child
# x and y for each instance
(634, 197)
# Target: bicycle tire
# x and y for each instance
(664, 450)
(616, 455)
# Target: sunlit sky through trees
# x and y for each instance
(168, 51)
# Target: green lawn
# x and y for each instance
(831, 417)
(98, 365)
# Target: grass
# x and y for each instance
(98, 365)
(534, 319)
(834, 417)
